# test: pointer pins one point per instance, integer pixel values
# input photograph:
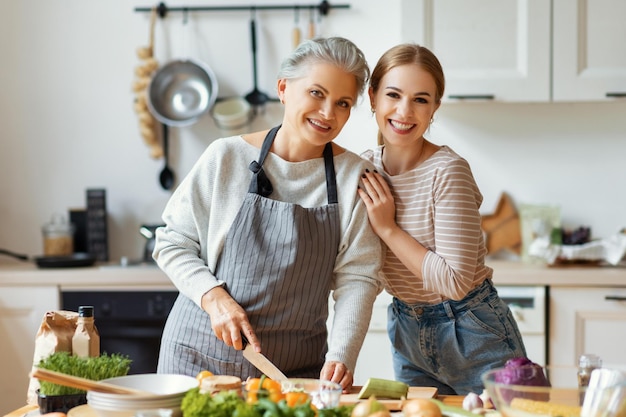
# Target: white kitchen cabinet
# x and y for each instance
(21, 312)
(588, 320)
(589, 55)
(523, 50)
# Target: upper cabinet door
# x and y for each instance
(489, 49)
(589, 49)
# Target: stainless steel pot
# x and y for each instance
(181, 91)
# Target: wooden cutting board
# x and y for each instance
(392, 405)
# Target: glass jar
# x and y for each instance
(58, 237)
(586, 364)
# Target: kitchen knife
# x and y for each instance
(262, 363)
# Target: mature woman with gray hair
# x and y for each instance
(266, 226)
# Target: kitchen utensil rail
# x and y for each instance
(83, 383)
(323, 7)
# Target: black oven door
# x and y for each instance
(129, 322)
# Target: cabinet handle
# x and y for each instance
(472, 97)
(616, 95)
(614, 298)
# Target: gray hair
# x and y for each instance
(334, 50)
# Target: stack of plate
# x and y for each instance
(164, 392)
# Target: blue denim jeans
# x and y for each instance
(451, 344)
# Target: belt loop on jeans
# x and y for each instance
(448, 308)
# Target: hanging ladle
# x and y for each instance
(166, 178)
(256, 98)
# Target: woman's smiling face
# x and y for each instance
(405, 103)
(318, 105)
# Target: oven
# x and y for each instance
(129, 322)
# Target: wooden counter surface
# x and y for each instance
(453, 400)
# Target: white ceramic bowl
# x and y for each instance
(166, 392)
(231, 113)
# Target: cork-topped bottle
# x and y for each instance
(86, 340)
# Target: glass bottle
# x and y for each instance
(586, 364)
(86, 339)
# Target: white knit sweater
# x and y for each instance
(203, 207)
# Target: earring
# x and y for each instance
(432, 119)
(373, 110)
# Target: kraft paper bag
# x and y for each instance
(54, 335)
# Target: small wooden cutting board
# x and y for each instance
(392, 405)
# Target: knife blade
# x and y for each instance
(262, 363)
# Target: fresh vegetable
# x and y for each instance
(222, 404)
(421, 407)
(264, 387)
(94, 368)
(472, 401)
(203, 374)
(450, 410)
(545, 408)
(383, 388)
(230, 404)
(369, 408)
(295, 398)
(522, 371)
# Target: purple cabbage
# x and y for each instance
(522, 371)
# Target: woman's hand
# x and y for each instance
(381, 208)
(228, 320)
(339, 373)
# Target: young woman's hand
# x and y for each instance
(381, 208)
(229, 320)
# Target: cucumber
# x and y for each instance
(384, 388)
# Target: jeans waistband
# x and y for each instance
(446, 309)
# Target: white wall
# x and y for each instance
(66, 112)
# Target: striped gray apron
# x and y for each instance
(277, 263)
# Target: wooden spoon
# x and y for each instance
(83, 383)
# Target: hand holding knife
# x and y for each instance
(261, 362)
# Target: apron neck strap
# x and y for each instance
(261, 185)
(331, 180)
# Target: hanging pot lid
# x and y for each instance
(181, 91)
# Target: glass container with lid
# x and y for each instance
(58, 237)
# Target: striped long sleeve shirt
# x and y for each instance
(437, 203)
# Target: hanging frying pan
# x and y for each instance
(181, 91)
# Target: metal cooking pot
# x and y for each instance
(181, 91)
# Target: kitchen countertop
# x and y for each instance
(104, 276)
(110, 276)
(454, 400)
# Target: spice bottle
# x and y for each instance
(58, 237)
(86, 340)
(586, 364)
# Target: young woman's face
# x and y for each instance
(404, 104)
(318, 105)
